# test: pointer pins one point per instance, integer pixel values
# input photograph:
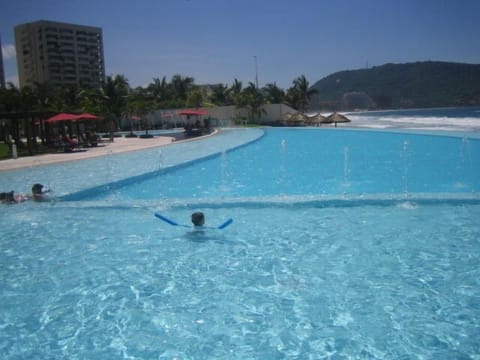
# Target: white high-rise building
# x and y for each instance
(59, 54)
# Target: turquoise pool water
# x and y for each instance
(318, 162)
(357, 245)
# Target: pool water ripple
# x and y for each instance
(366, 284)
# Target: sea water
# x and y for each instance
(446, 119)
(367, 273)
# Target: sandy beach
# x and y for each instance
(119, 145)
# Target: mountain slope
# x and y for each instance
(420, 84)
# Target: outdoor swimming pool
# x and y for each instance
(345, 244)
(308, 163)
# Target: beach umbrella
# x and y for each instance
(61, 117)
(286, 116)
(84, 116)
(190, 112)
(336, 118)
(298, 119)
(289, 118)
(193, 112)
(87, 116)
(316, 119)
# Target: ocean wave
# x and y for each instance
(439, 123)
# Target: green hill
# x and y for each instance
(411, 85)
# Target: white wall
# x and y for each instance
(224, 116)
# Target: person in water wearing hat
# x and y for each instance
(38, 193)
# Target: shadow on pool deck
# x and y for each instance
(119, 145)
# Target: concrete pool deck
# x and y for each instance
(119, 145)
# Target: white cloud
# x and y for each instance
(8, 51)
(12, 79)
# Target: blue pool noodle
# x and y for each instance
(225, 224)
(171, 222)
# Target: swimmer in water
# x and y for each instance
(11, 198)
(198, 219)
(38, 193)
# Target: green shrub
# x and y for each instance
(4, 151)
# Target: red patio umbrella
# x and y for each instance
(61, 117)
(87, 116)
(84, 116)
(193, 112)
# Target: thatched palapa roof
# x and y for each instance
(287, 116)
(300, 119)
(316, 119)
(336, 118)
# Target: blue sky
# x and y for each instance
(217, 41)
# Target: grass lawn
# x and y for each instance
(23, 151)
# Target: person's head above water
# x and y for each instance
(39, 192)
(7, 197)
(198, 219)
(37, 188)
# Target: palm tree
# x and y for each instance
(43, 95)
(252, 99)
(234, 91)
(113, 99)
(299, 94)
(159, 90)
(181, 85)
(90, 100)
(28, 101)
(19, 106)
(274, 95)
(66, 99)
(11, 101)
(194, 99)
(138, 103)
(219, 95)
